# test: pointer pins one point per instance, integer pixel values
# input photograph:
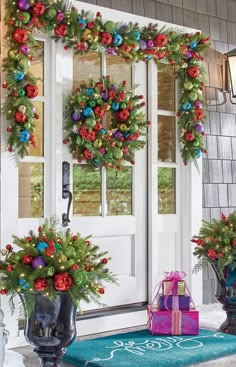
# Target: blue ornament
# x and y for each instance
(19, 76)
(135, 35)
(21, 281)
(117, 39)
(24, 136)
(103, 131)
(25, 286)
(198, 153)
(82, 23)
(186, 106)
(41, 246)
(127, 134)
(88, 111)
(115, 106)
(96, 162)
(148, 57)
(193, 45)
(90, 91)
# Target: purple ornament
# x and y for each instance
(199, 128)
(117, 134)
(23, 5)
(150, 43)
(60, 16)
(33, 108)
(189, 54)
(38, 261)
(75, 116)
(105, 96)
(24, 49)
(113, 87)
(198, 104)
(143, 45)
(111, 51)
(102, 150)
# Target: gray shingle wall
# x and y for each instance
(216, 18)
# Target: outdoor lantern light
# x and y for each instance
(231, 58)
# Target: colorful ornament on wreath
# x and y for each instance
(89, 140)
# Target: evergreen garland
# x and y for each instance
(52, 261)
(82, 32)
(216, 245)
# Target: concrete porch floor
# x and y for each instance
(31, 359)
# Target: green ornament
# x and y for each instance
(195, 143)
(94, 46)
(134, 128)
(100, 101)
(175, 47)
(109, 155)
(13, 54)
(97, 143)
(70, 251)
(92, 103)
(50, 271)
(21, 92)
(69, 263)
(188, 86)
(90, 122)
(110, 26)
(27, 126)
(58, 246)
(24, 17)
(78, 141)
(24, 64)
(117, 153)
(193, 96)
(50, 13)
(80, 99)
(135, 46)
(119, 144)
(123, 105)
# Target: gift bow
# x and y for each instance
(173, 277)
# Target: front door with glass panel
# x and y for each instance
(109, 204)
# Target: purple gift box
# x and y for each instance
(172, 322)
(183, 301)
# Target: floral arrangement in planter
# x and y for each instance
(84, 32)
(216, 245)
(54, 261)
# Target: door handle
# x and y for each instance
(66, 193)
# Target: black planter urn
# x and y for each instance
(51, 327)
(226, 295)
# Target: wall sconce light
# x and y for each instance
(231, 66)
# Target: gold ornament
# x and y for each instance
(86, 34)
(208, 239)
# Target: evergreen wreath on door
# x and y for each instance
(82, 32)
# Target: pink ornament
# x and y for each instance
(60, 16)
(111, 51)
(150, 43)
(24, 49)
(198, 104)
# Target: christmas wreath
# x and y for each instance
(87, 137)
(82, 33)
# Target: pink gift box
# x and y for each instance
(172, 322)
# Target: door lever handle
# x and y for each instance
(66, 193)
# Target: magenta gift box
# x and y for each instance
(172, 322)
(183, 301)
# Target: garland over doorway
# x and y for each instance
(82, 32)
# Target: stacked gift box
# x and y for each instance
(172, 311)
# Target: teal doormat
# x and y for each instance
(139, 349)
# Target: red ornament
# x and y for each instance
(9, 247)
(104, 260)
(3, 291)
(28, 239)
(27, 260)
(75, 267)
(126, 48)
(65, 141)
(99, 111)
(31, 91)
(40, 284)
(193, 72)
(9, 268)
(9, 149)
(74, 238)
(86, 267)
(90, 25)
(123, 115)
(88, 243)
(88, 154)
(61, 30)
(38, 9)
(106, 38)
(62, 282)
(160, 40)
(189, 136)
(4, 85)
(20, 35)
(101, 290)
(20, 117)
(199, 114)
(40, 229)
(9, 129)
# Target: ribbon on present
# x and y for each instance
(173, 277)
(176, 328)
